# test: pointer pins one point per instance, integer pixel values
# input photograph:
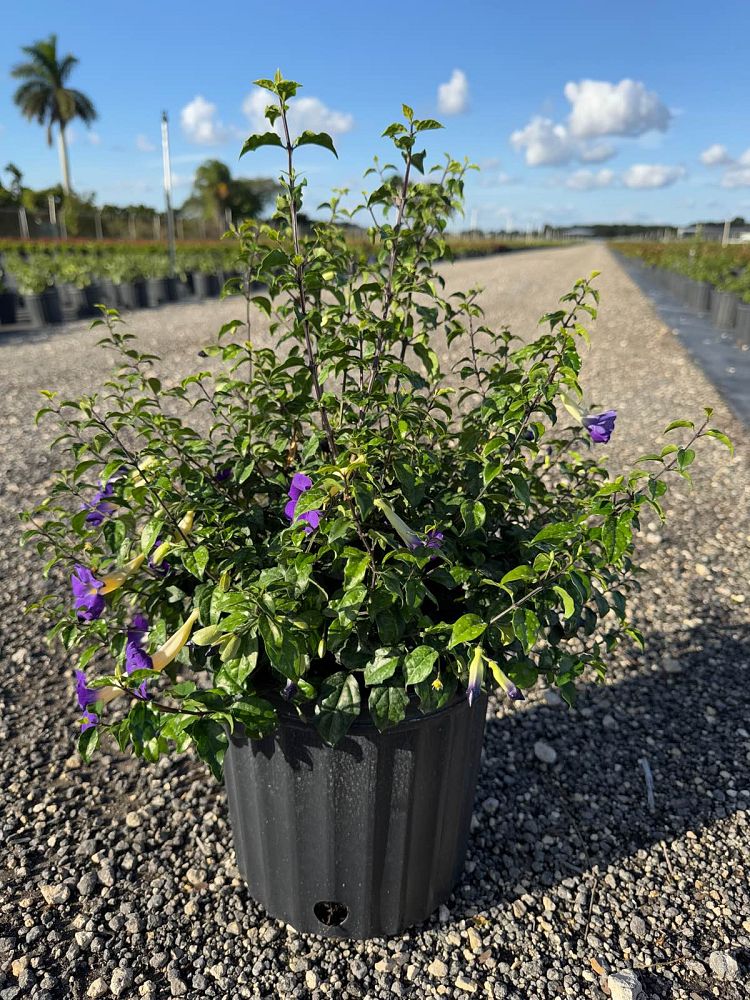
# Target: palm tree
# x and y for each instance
(44, 97)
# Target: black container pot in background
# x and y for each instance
(108, 293)
(364, 839)
(51, 304)
(94, 295)
(72, 303)
(156, 292)
(723, 309)
(205, 286)
(131, 294)
(742, 326)
(8, 307)
(34, 306)
(699, 295)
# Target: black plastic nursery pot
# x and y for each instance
(156, 292)
(723, 309)
(742, 327)
(8, 307)
(205, 286)
(72, 303)
(131, 294)
(359, 840)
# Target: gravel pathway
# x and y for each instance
(118, 879)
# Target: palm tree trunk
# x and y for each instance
(64, 164)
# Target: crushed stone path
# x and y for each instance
(119, 879)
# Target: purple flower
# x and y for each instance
(99, 508)
(300, 484)
(290, 689)
(600, 425)
(89, 603)
(164, 566)
(223, 474)
(86, 696)
(88, 721)
(432, 540)
(136, 658)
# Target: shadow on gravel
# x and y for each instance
(540, 824)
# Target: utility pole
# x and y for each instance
(726, 233)
(168, 190)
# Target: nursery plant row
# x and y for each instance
(48, 283)
(705, 277)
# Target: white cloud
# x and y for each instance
(143, 144)
(94, 138)
(716, 156)
(597, 109)
(626, 108)
(453, 96)
(588, 180)
(305, 113)
(597, 153)
(546, 144)
(199, 123)
(651, 175)
(736, 176)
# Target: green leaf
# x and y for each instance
(679, 423)
(473, 514)
(88, 743)
(196, 560)
(519, 573)
(720, 436)
(211, 742)
(150, 533)
(207, 636)
(274, 258)
(419, 663)
(526, 627)
(337, 706)
(262, 139)
(257, 715)
(383, 666)
(316, 139)
(568, 603)
(356, 567)
(387, 704)
(467, 627)
(554, 533)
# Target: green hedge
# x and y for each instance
(726, 268)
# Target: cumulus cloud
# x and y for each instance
(453, 96)
(626, 108)
(305, 113)
(588, 180)
(200, 124)
(545, 143)
(651, 175)
(143, 144)
(597, 109)
(597, 153)
(716, 156)
(94, 138)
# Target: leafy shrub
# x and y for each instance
(345, 530)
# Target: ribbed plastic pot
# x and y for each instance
(742, 326)
(723, 309)
(205, 286)
(699, 295)
(51, 304)
(156, 292)
(359, 840)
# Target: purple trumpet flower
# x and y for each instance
(223, 474)
(88, 601)
(600, 425)
(290, 689)
(100, 507)
(136, 658)
(88, 720)
(300, 484)
(86, 696)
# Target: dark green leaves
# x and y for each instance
(419, 663)
(337, 707)
(387, 704)
(382, 667)
(467, 628)
(526, 627)
(263, 139)
(316, 139)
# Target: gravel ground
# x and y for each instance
(119, 879)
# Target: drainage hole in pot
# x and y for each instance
(331, 914)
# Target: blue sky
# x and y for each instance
(576, 111)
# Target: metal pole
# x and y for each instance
(52, 210)
(23, 222)
(168, 190)
(725, 234)
(98, 223)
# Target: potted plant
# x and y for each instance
(125, 272)
(7, 302)
(315, 586)
(34, 283)
(157, 272)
